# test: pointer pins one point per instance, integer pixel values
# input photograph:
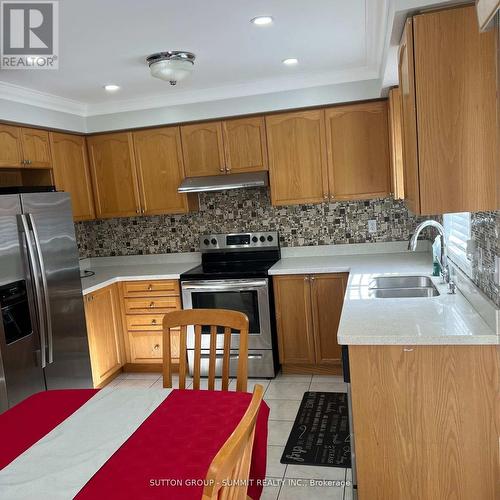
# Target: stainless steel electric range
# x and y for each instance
(234, 275)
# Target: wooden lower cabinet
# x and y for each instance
(144, 304)
(308, 309)
(104, 329)
(426, 421)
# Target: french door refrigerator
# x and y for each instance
(43, 337)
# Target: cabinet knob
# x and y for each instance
(325, 196)
(222, 169)
(312, 278)
(150, 287)
(152, 305)
(306, 278)
(156, 347)
(142, 210)
(137, 210)
(153, 322)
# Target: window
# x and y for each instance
(458, 235)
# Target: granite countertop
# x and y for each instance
(109, 270)
(444, 319)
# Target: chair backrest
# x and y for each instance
(228, 474)
(229, 320)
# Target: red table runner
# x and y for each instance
(168, 455)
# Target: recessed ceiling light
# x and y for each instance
(262, 20)
(111, 88)
(290, 61)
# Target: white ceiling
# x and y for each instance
(107, 41)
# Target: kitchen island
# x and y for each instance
(425, 379)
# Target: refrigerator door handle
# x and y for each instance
(38, 291)
(43, 273)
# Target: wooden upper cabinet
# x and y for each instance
(36, 148)
(203, 150)
(396, 143)
(409, 119)
(358, 151)
(72, 174)
(297, 157)
(449, 113)
(104, 329)
(10, 146)
(293, 317)
(160, 169)
(114, 175)
(245, 144)
(327, 293)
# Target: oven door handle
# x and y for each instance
(232, 356)
(225, 286)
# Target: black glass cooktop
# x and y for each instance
(232, 270)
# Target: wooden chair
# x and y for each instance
(232, 462)
(229, 320)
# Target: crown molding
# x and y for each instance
(264, 86)
(31, 97)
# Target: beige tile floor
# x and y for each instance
(283, 395)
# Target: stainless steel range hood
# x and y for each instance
(223, 182)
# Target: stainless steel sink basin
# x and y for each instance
(390, 287)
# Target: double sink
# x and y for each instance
(391, 287)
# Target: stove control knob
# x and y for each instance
(206, 242)
(213, 241)
(262, 239)
(255, 239)
(269, 238)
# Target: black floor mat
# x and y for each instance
(320, 433)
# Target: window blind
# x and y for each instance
(458, 234)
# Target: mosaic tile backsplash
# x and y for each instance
(246, 210)
(298, 225)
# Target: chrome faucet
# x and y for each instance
(443, 259)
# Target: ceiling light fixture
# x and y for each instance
(290, 61)
(262, 20)
(111, 88)
(172, 66)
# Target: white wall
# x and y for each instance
(43, 117)
(315, 96)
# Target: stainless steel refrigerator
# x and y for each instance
(43, 337)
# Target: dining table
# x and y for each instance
(166, 455)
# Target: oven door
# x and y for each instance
(249, 296)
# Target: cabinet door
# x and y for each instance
(10, 146)
(36, 148)
(202, 149)
(297, 157)
(72, 174)
(327, 292)
(245, 144)
(455, 90)
(396, 144)
(409, 121)
(114, 175)
(160, 169)
(358, 151)
(293, 317)
(104, 331)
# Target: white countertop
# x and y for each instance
(109, 270)
(444, 319)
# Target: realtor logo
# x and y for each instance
(29, 35)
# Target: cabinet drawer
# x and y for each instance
(146, 305)
(147, 347)
(144, 322)
(161, 288)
